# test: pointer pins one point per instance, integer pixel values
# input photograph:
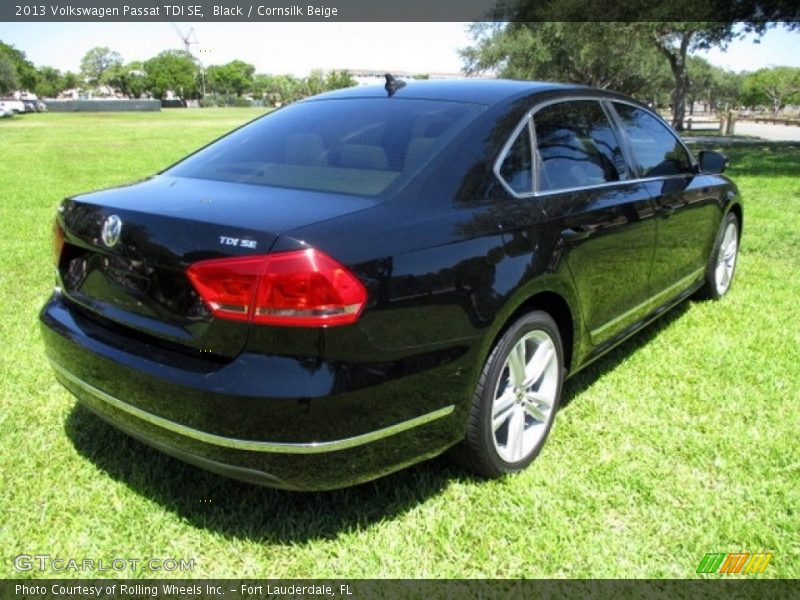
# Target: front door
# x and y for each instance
(688, 210)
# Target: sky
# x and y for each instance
(297, 48)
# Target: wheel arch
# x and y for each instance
(561, 305)
(558, 308)
(736, 209)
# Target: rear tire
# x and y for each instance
(516, 398)
(722, 262)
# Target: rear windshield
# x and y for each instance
(358, 146)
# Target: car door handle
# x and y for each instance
(666, 210)
(574, 234)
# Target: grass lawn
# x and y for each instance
(682, 441)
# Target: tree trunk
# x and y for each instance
(677, 64)
(679, 98)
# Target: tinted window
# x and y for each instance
(516, 166)
(359, 146)
(576, 146)
(656, 150)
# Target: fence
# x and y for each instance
(103, 105)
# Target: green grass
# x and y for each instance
(680, 442)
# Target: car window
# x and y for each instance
(656, 150)
(356, 146)
(576, 146)
(516, 168)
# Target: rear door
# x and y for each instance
(604, 216)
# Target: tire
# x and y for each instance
(722, 261)
(515, 401)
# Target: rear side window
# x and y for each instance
(516, 168)
(576, 146)
(357, 146)
(656, 150)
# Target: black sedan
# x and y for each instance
(370, 277)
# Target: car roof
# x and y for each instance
(479, 91)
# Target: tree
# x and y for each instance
(174, 70)
(26, 75)
(713, 86)
(599, 55)
(315, 83)
(776, 87)
(96, 64)
(71, 80)
(235, 77)
(137, 79)
(337, 80)
(675, 40)
(261, 83)
(284, 89)
(8, 75)
(50, 82)
(714, 24)
(130, 79)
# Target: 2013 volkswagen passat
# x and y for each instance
(369, 277)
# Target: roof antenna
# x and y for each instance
(392, 84)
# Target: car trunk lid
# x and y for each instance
(138, 282)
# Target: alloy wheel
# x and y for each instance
(525, 396)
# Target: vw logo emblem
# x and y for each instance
(112, 228)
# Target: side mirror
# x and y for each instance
(712, 162)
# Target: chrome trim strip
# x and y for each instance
(589, 188)
(249, 445)
(528, 119)
(498, 162)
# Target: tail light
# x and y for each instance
(58, 241)
(300, 288)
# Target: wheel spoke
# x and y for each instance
(501, 409)
(539, 362)
(719, 274)
(728, 237)
(536, 405)
(516, 430)
(730, 251)
(516, 364)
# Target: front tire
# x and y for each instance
(516, 398)
(722, 262)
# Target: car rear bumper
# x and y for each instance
(215, 416)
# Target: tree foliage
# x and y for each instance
(675, 40)
(50, 82)
(605, 56)
(129, 79)
(8, 75)
(23, 75)
(280, 89)
(71, 80)
(656, 24)
(97, 63)
(715, 87)
(235, 77)
(774, 87)
(337, 80)
(174, 70)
